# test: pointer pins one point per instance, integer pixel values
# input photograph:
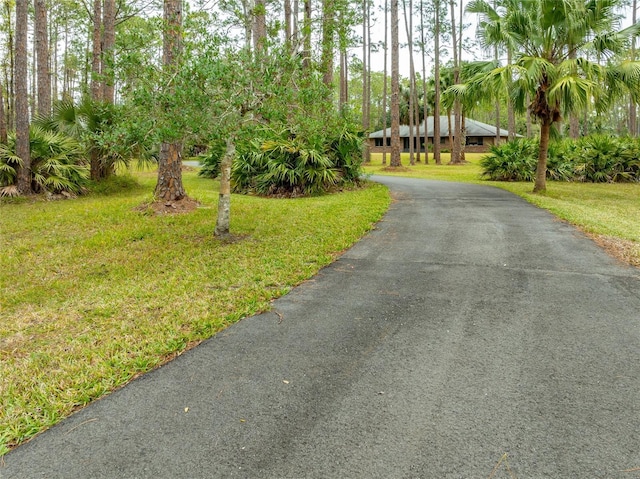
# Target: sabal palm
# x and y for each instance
(552, 39)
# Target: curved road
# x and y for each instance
(468, 325)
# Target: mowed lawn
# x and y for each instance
(610, 213)
(94, 292)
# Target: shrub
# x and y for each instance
(57, 163)
(286, 164)
(605, 159)
(346, 152)
(560, 166)
(512, 161)
(595, 159)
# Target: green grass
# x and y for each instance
(94, 293)
(608, 210)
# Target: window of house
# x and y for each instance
(475, 140)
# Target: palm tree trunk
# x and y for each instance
(541, 169)
(224, 199)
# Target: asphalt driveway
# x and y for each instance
(468, 328)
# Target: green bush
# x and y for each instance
(286, 164)
(560, 166)
(345, 150)
(606, 159)
(512, 161)
(57, 163)
(595, 159)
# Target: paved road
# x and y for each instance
(468, 325)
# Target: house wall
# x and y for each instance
(473, 147)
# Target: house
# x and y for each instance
(479, 136)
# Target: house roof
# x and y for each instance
(473, 128)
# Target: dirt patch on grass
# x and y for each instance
(185, 205)
(626, 251)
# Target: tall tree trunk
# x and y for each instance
(42, 49)
(541, 169)
(108, 50)
(424, 83)
(11, 85)
(96, 57)
(23, 150)
(633, 109)
(296, 29)
(259, 25)
(247, 16)
(33, 92)
(328, 33)
(528, 118)
(395, 87)
(287, 22)
(169, 186)
(497, 140)
(3, 118)
(224, 198)
(574, 123)
(456, 149)
(344, 95)
(408, 25)
(306, 32)
(366, 77)
(384, 88)
(54, 71)
(511, 114)
(436, 106)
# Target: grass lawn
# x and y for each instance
(93, 292)
(608, 212)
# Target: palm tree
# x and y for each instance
(552, 39)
